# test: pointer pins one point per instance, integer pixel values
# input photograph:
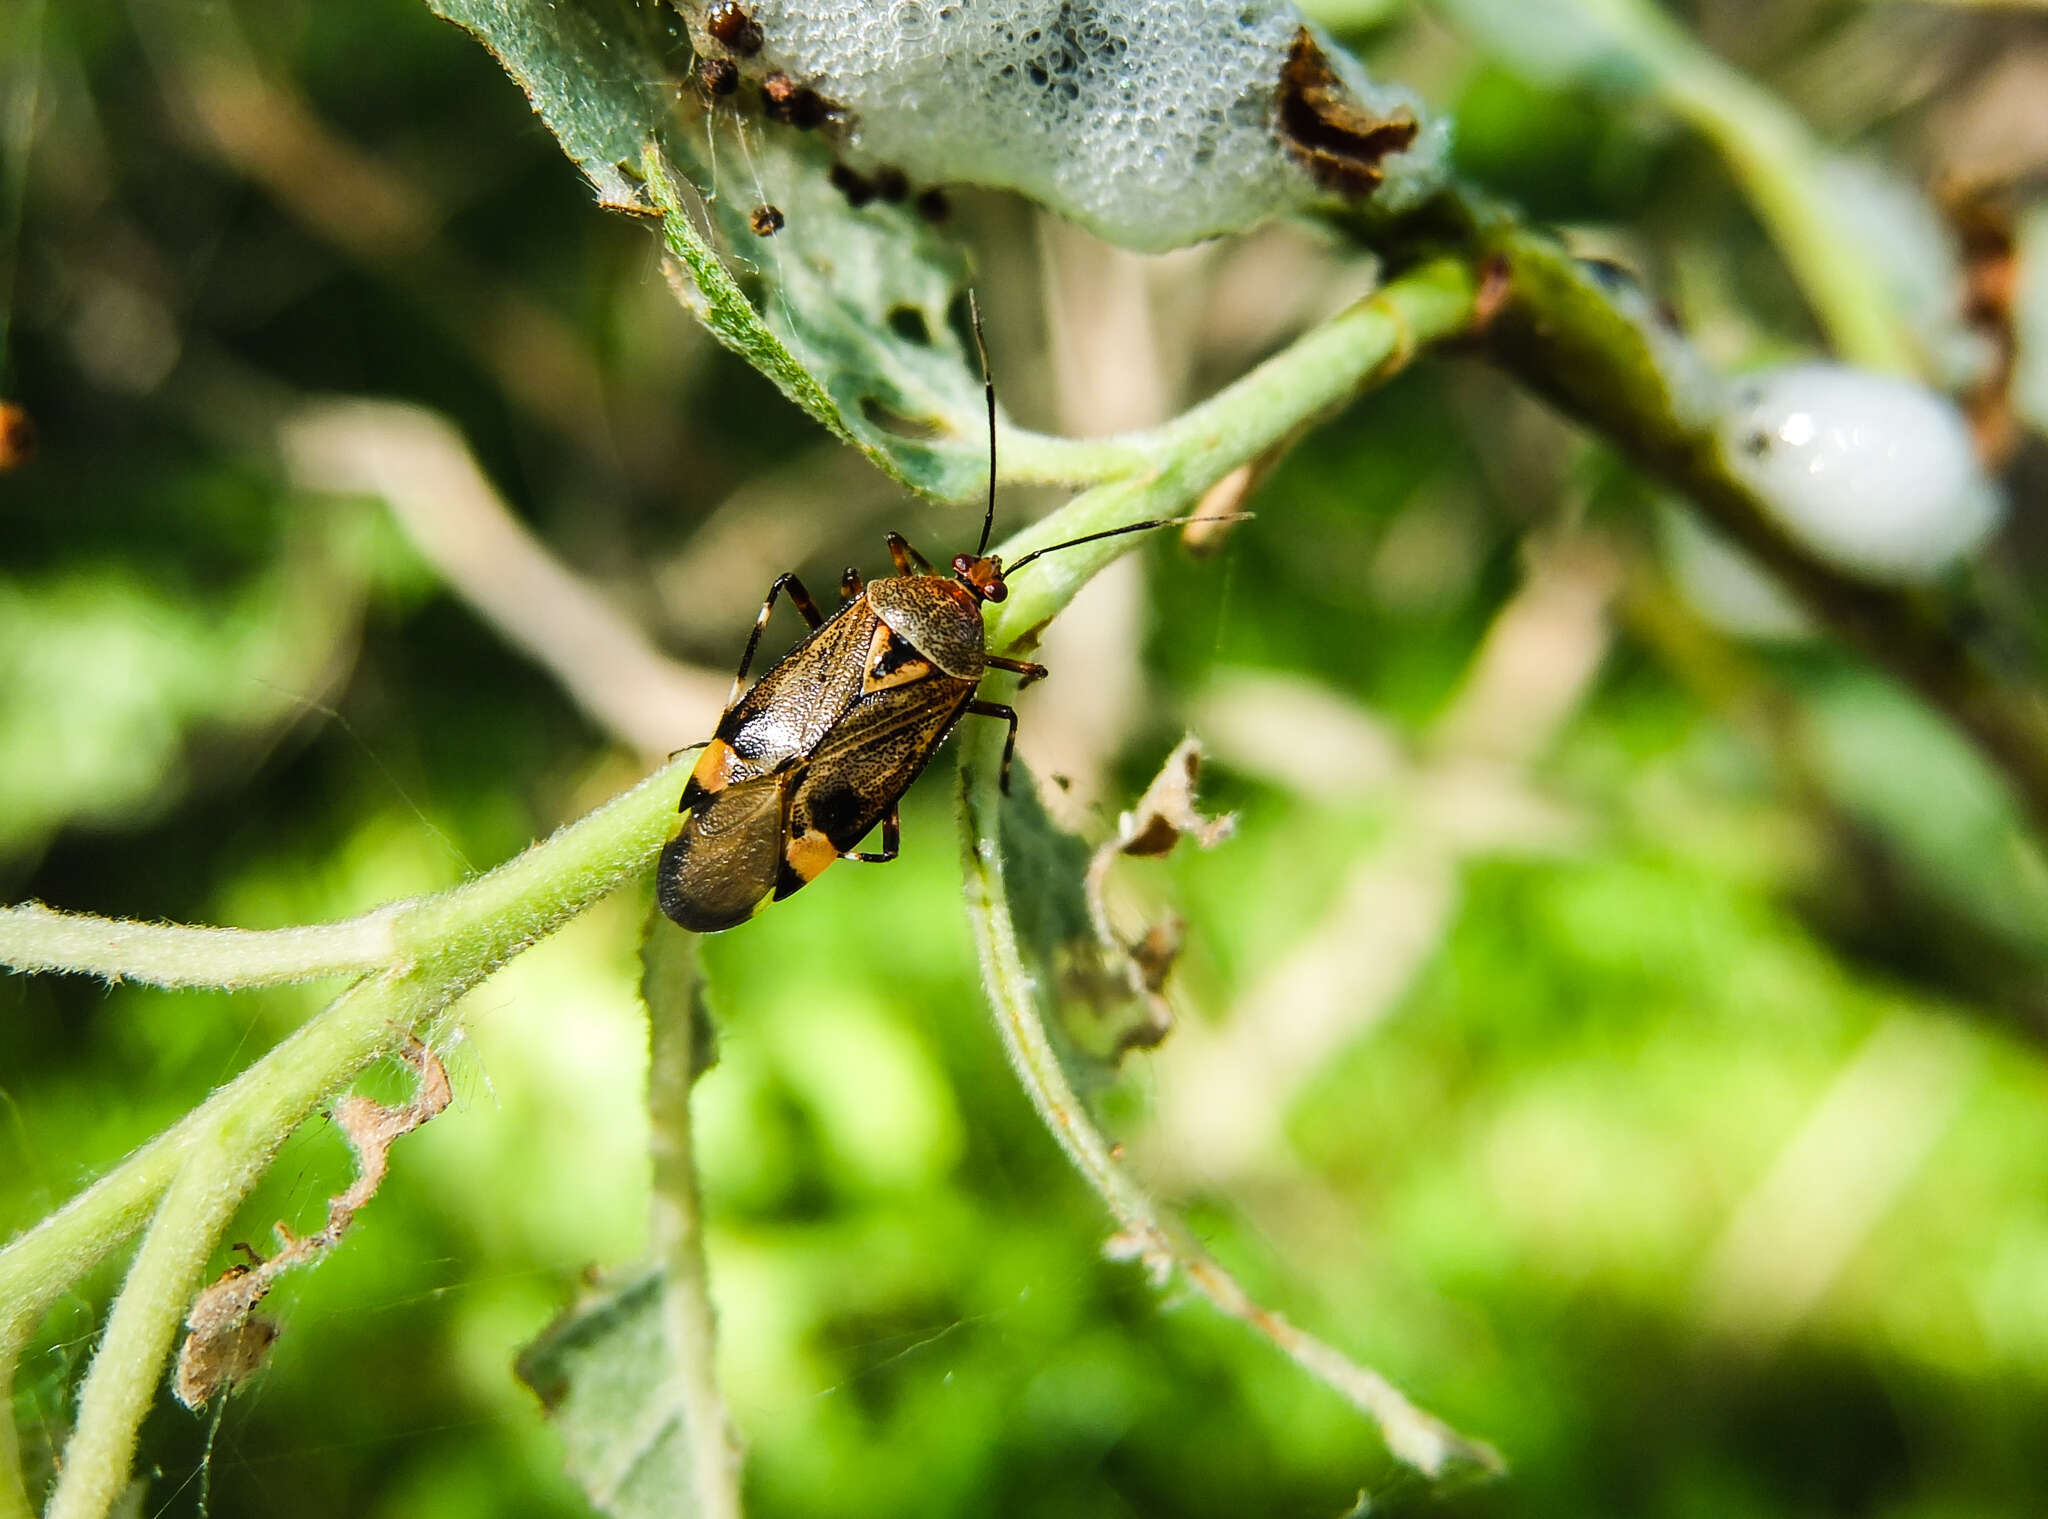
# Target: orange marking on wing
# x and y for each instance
(715, 766)
(891, 663)
(808, 854)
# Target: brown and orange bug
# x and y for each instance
(822, 747)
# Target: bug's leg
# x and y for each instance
(802, 599)
(996, 709)
(908, 560)
(892, 838)
(1023, 667)
(851, 585)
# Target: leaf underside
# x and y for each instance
(602, 1372)
(852, 313)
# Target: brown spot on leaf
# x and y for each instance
(1329, 133)
(851, 183)
(766, 221)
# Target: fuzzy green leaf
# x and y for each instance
(847, 311)
(602, 1371)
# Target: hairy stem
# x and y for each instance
(443, 946)
(1144, 1230)
(197, 1207)
(37, 938)
(430, 950)
(677, 1052)
(1183, 458)
(1369, 342)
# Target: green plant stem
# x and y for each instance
(676, 1054)
(36, 938)
(1035, 458)
(198, 1206)
(1368, 342)
(444, 945)
(1144, 1231)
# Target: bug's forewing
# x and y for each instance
(864, 765)
(724, 863)
(795, 703)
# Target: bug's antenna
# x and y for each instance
(1118, 532)
(988, 386)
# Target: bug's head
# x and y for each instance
(981, 574)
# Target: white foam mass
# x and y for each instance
(1153, 123)
(1876, 475)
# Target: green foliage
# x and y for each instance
(1743, 915)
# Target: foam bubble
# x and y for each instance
(1875, 474)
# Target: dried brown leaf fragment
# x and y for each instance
(228, 1340)
(1126, 983)
(1328, 131)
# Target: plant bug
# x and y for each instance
(823, 746)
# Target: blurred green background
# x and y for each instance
(1627, 1037)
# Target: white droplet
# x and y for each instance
(1876, 475)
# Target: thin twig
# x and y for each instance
(196, 1209)
(35, 938)
(668, 985)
